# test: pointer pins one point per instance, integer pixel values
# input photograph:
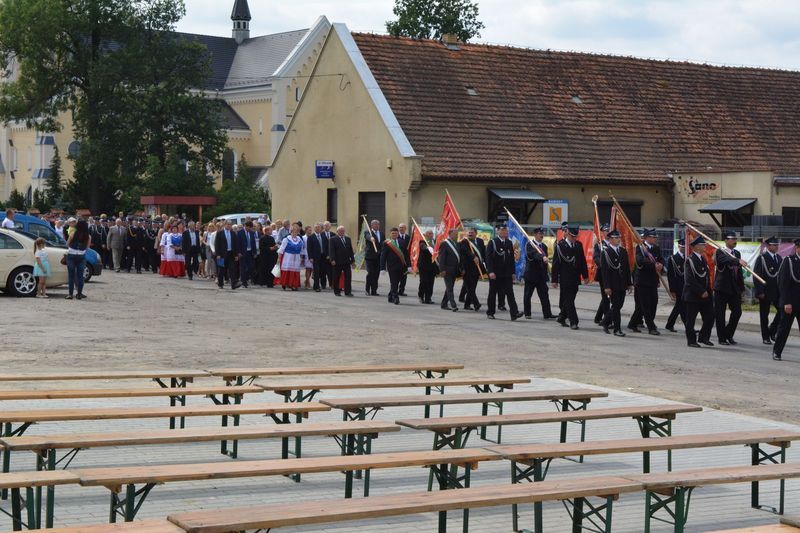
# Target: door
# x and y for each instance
(373, 206)
(11, 252)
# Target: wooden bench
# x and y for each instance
(45, 447)
(177, 377)
(361, 408)
(332, 511)
(536, 458)
(772, 528)
(669, 493)
(122, 481)
(32, 482)
(241, 376)
(143, 526)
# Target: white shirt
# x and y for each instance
(8, 223)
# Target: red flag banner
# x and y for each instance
(417, 240)
(587, 239)
(450, 220)
(630, 239)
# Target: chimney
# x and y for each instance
(241, 21)
(450, 40)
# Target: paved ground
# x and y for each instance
(146, 321)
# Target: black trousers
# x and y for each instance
(402, 286)
(544, 297)
(338, 270)
(425, 291)
(230, 270)
(646, 304)
(155, 260)
(613, 317)
(678, 310)
(326, 275)
(394, 284)
(133, 258)
(769, 329)
(706, 310)
(192, 263)
(320, 274)
(501, 288)
(247, 267)
(784, 329)
(373, 273)
(604, 307)
(723, 301)
(566, 304)
(449, 299)
(468, 288)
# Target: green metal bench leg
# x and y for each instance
(679, 499)
(6, 459)
(442, 486)
(51, 490)
(467, 470)
(30, 503)
(758, 457)
(367, 471)
(577, 516)
(38, 505)
(130, 502)
(16, 509)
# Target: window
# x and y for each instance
(791, 216)
(297, 94)
(74, 149)
(8, 243)
(333, 208)
(632, 208)
(14, 159)
(228, 165)
(40, 230)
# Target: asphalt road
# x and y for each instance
(134, 321)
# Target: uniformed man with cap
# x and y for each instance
(728, 289)
(473, 252)
(569, 267)
(597, 259)
(697, 295)
(767, 266)
(536, 275)
(501, 266)
(616, 272)
(647, 278)
(675, 280)
(789, 298)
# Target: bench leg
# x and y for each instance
(648, 427)
(759, 457)
(9, 431)
(564, 406)
(532, 473)
(675, 506)
(598, 515)
(457, 441)
(30, 504)
(16, 510)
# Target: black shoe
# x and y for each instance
(516, 316)
(767, 341)
(654, 332)
(773, 336)
(489, 316)
(337, 293)
(403, 294)
(724, 342)
(501, 308)
(350, 294)
(564, 324)
(69, 297)
(421, 299)
(574, 326)
(397, 301)
(670, 328)
(693, 345)
(445, 307)
(461, 299)
(732, 342)
(317, 290)
(619, 333)
(598, 320)
(375, 294)
(606, 330)
(478, 307)
(549, 317)
(454, 309)
(775, 357)
(561, 321)
(707, 343)
(634, 329)
(237, 285)
(467, 308)
(528, 317)
(429, 302)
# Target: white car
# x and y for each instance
(16, 264)
(240, 218)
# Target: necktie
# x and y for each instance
(344, 242)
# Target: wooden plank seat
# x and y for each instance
(243, 375)
(332, 511)
(531, 462)
(141, 526)
(668, 494)
(45, 447)
(61, 394)
(361, 408)
(771, 528)
(32, 483)
(126, 498)
(181, 376)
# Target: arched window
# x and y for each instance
(74, 149)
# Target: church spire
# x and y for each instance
(241, 20)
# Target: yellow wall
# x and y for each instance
(337, 120)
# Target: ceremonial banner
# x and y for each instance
(450, 220)
(520, 239)
(417, 240)
(361, 248)
(630, 239)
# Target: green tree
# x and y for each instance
(431, 19)
(17, 200)
(241, 195)
(53, 182)
(39, 201)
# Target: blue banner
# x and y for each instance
(517, 235)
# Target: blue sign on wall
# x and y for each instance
(324, 170)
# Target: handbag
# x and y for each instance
(276, 271)
(63, 260)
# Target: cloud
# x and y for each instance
(731, 32)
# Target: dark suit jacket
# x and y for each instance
(221, 244)
(241, 238)
(314, 247)
(535, 267)
(729, 277)
(697, 279)
(675, 274)
(341, 252)
(325, 243)
(186, 243)
(468, 256)
(788, 288)
(767, 268)
(425, 264)
(404, 241)
(390, 261)
(500, 258)
(371, 254)
(569, 264)
(449, 261)
(615, 269)
(646, 274)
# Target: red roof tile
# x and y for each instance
(636, 121)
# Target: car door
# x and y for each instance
(11, 253)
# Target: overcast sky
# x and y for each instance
(731, 32)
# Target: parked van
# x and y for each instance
(239, 218)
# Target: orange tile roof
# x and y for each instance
(574, 117)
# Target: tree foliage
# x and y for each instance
(431, 19)
(241, 195)
(17, 200)
(55, 190)
(124, 76)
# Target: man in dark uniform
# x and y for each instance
(697, 295)
(597, 259)
(148, 243)
(372, 257)
(616, 281)
(536, 275)
(449, 261)
(427, 269)
(789, 298)
(728, 289)
(403, 241)
(569, 267)
(501, 266)
(133, 247)
(647, 277)
(473, 254)
(102, 234)
(675, 279)
(394, 261)
(767, 267)
(342, 261)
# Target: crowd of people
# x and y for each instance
(294, 256)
